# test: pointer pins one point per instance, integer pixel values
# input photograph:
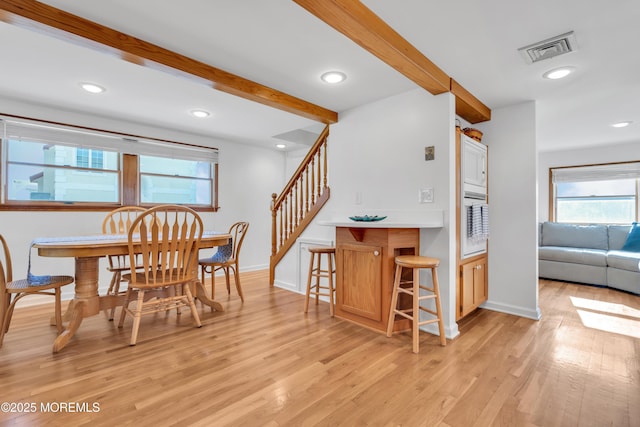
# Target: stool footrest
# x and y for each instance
(403, 313)
(426, 322)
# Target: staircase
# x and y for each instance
(300, 201)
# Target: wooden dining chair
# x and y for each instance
(166, 239)
(119, 221)
(226, 259)
(12, 291)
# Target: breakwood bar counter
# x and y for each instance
(365, 266)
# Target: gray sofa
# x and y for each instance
(588, 254)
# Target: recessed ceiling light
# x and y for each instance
(333, 77)
(92, 87)
(281, 146)
(621, 124)
(558, 73)
(200, 113)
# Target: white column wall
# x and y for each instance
(513, 249)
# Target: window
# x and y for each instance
(606, 194)
(64, 167)
(175, 181)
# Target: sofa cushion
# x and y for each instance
(618, 236)
(595, 257)
(633, 239)
(624, 260)
(575, 236)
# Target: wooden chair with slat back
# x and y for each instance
(119, 221)
(12, 291)
(169, 238)
(226, 261)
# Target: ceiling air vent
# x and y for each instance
(549, 48)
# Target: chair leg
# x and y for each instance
(226, 276)
(192, 304)
(306, 297)
(394, 300)
(137, 316)
(125, 307)
(213, 283)
(5, 317)
(436, 289)
(58, 308)
(317, 285)
(415, 315)
(114, 289)
(236, 277)
(331, 288)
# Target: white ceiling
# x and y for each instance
(281, 45)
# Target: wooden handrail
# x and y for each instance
(313, 151)
(300, 201)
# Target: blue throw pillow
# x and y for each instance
(223, 253)
(633, 239)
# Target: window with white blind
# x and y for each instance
(604, 194)
(59, 166)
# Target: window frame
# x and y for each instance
(129, 176)
(553, 196)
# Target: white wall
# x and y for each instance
(608, 153)
(377, 150)
(513, 250)
(247, 177)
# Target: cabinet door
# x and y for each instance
(466, 288)
(480, 283)
(474, 162)
(473, 286)
(361, 279)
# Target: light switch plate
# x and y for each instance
(425, 195)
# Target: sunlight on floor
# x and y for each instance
(608, 317)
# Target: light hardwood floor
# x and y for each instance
(266, 363)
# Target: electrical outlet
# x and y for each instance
(425, 195)
(358, 197)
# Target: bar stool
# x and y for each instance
(415, 263)
(319, 273)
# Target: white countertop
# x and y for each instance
(427, 219)
(381, 224)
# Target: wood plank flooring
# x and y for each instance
(265, 363)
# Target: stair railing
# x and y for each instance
(299, 202)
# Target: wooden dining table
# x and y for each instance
(87, 251)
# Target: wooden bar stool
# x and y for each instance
(415, 263)
(315, 270)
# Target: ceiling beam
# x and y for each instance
(360, 24)
(468, 106)
(48, 20)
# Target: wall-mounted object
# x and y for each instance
(429, 152)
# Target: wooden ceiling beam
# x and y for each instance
(360, 24)
(48, 20)
(468, 106)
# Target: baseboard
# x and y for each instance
(293, 287)
(450, 331)
(513, 309)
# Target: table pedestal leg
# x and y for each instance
(201, 295)
(66, 316)
(86, 302)
(72, 327)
